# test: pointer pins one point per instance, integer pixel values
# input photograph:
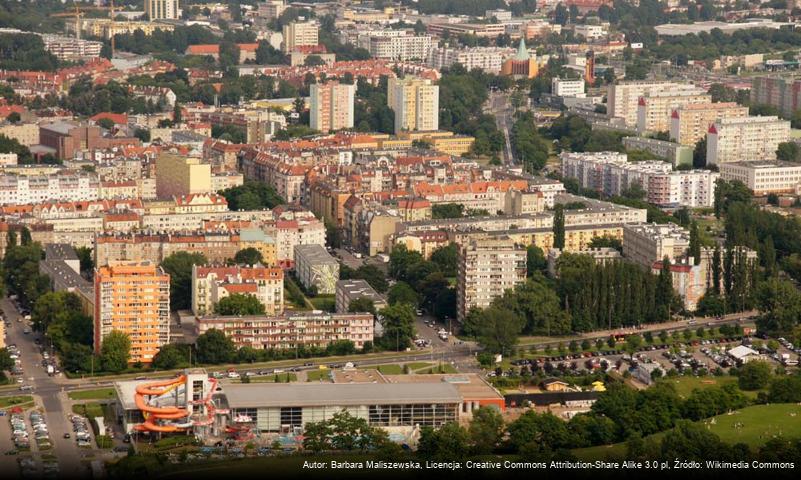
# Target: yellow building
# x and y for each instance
(103, 27)
(415, 102)
(176, 175)
(133, 298)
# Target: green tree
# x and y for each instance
(535, 260)
(361, 304)
(398, 323)
(486, 430)
(446, 258)
(248, 256)
(213, 347)
(754, 375)
(499, 330)
(179, 267)
(171, 356)
(559, 227)
(239, 304)
(695, 244)
(449, 442)
(115, 351)
(402, 293)
(789, 152)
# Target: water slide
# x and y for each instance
(153, 413)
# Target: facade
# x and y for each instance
(315, 267)
(612, 174)
(487, 268)
(623, 97)
(133, 298)
(690, 123)
(292, 330)
(647, 243)
(34, 189)
(562, 87)
(780, 92)
(654, 109)
(331, 106)
(764, 177)
(401, 47)
(162, 9)
(70, 48)
(415, 102)
(299, 34)
(350, 290)
(522, 64)
(210, 284)
(675, 153)
(488, 59)
(25, 133)
(745, 139)
(176, 176)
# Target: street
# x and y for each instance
(500, 107)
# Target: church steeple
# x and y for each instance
(522, 51)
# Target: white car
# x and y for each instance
(233, 375)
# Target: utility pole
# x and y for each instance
(111, 26)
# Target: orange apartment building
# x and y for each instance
(133, 298)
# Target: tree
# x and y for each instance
(695, 244)
(499, 330)
(402, 293)
(213, 347)
(179, 267)
(450, 442)
(360, 305)
(6, 363)
(446, 258)
(177, 114)
(789, 152)
(239, 304)
(486, 430)
(398, 323)
(606, 241)
(535, 260)
(171, 356)
(447, 210)
(115, 351)
(559, 227)
(249, 256)
(699, 154)
(754, 375)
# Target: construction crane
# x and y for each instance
(78, 13)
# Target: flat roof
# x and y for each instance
(257, 395)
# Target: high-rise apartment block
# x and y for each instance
(624, 97)
(177, 175)
(487, 267)
(133, 298)
(331, 106)
(745, 139)
(654, 109)
(161, 9)
(271, 9)
(299, 34)
(783, 93)
(690, 123)
(415, 102)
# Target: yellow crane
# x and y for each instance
(80, 12)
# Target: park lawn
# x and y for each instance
(752, 425)
(325, 303)
(392, 369)
(414, 366)
(88, 410)
(275, 378)
(317, 375)
(686, 384)
(441, 368)
(96, 394)
(6, 402)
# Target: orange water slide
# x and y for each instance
(153, 413)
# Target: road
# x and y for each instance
(501, 108)
(46, 391)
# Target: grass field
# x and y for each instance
(413, 366)
(96, 394)
(390, 369)
(317, 375)
(6, 402)
(89, 410)
(753, 426)
(325, 303)
(686, 384)
(280, 378)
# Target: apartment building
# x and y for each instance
(764, 177)
(487, 268)
(488, 59)
(217, 246)
(350, 290)
(562, 87)
(61, 187)
(293, 232)
(331, 106)
(293, 330)
(646, 243)
(162, 9)
(675, 153)
(71, 48)
(177, 175)
(415, 102)
(401, 48)
(784, 93)
(315, 267)
(654, 108)
(299, 34)
(271, 9)
(133, 298)
(690, 123)
(623, 97)
(745, 139)
(612, 174)
(210, 284)
(25, 133)
(65, 139)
